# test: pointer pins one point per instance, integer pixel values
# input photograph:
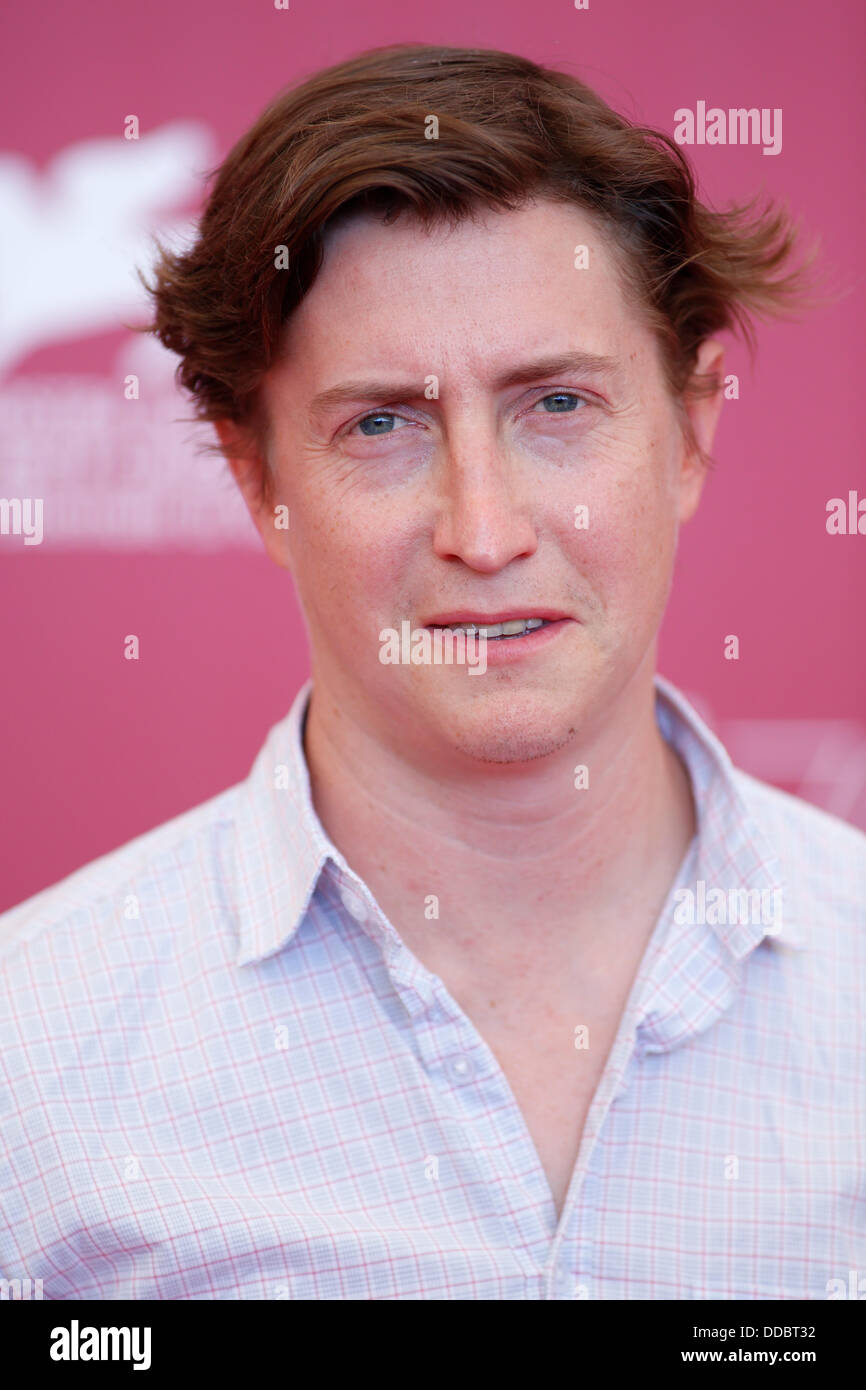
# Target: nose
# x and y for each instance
(483, 512)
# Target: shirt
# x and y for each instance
(224, 1075)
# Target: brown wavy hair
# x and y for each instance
(352, 138)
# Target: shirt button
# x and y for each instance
(353, 905)
(460, 1068)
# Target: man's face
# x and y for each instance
(408, 506)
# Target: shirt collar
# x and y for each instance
(734, 850)
(281, 847)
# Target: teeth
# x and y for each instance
(513, 628)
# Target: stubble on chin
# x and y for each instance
(519, 736)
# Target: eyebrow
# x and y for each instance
(380, 392)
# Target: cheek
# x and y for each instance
(629, 543)
(351, 557)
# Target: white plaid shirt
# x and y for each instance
(223, 1074)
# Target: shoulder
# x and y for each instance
(105, 980)
(149, 880)
(800, 826)
(824, 856)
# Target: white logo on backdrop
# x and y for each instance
(113, 472)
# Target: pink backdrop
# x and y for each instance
(143, 536)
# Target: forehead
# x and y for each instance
(463, 298)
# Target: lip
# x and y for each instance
(466, 615)
(510, 649)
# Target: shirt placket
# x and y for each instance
(468, 1076)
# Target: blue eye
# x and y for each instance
(381, 417)
(560, 396)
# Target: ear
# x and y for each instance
(702, 416)
(249, 471)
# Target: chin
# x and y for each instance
(524, 748)
(505, 726)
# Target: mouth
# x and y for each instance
(496, 627)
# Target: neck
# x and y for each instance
(516, 852)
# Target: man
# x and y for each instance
(487, 984)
